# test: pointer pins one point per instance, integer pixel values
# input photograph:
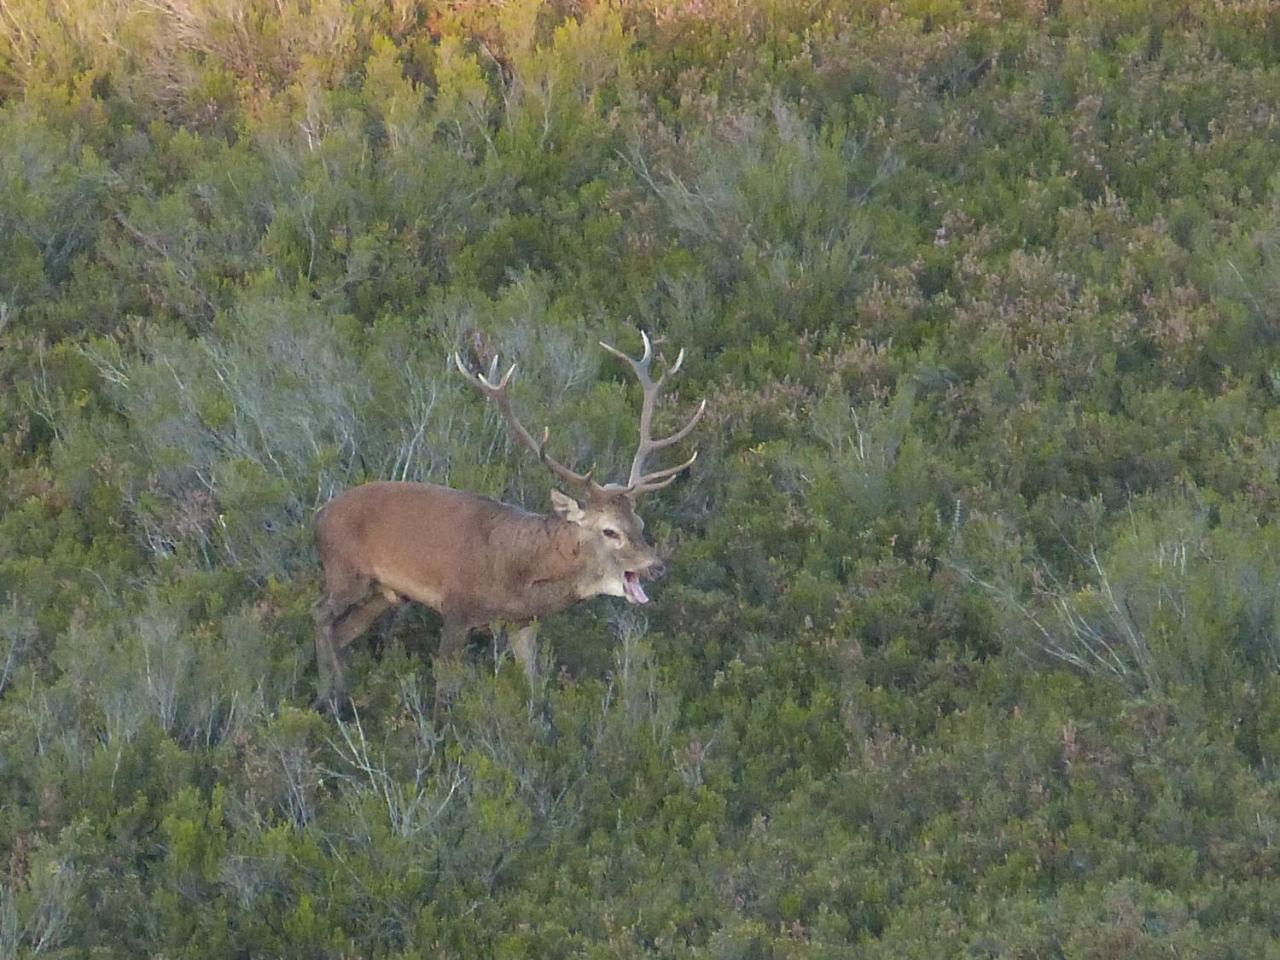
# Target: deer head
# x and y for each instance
(610, 530)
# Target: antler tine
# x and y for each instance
(660, 479)
(497, 392)
(641, 366)
(682, 432)
(638, 481)
(462, 367)
(492, 378)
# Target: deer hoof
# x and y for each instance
(336, 705)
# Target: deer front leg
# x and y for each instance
(453, 635)
(524, 645)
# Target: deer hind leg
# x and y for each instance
(358, 619)
(334, 637)
(341, 616)
(331, 685)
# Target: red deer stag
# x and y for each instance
(475, 560)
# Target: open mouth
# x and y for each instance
(631, 587)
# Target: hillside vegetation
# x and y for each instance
(969, 638)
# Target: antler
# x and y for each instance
(640, 482)
(497, 392)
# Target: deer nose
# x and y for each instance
(656, 570)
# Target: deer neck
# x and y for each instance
(551, 572)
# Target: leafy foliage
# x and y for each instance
(969, 640)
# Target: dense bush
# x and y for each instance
(969, 641)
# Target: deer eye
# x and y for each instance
(612, 534)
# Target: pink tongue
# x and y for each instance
(635, 592)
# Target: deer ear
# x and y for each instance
(567, 507)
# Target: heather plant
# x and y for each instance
(967, 644)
